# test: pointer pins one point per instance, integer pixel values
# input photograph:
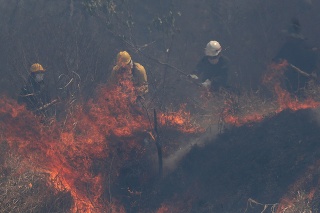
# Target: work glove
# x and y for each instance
(193, 77)
(207, 83)
(314, 77)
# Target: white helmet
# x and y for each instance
(213, 48)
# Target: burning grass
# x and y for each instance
(85, 155)
(253, 107)
(102, 144)
(23, 189)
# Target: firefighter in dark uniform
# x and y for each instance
(300, 57)
(212, 70)
(35, 94)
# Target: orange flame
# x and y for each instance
(179, 120)
(240, 120)
(285, 100)
(66, 150)
(276, 70)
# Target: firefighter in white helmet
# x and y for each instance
(126, 67)
(212, 70)
(35, 94)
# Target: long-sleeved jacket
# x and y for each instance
(34, 94)
(139, 78)
(216, 73)
(297, 52)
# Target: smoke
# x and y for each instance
(171, 162)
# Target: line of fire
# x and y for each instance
(110, 151)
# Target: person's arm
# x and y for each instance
(26, 93)
(141, 79)
(47, 95)
(113, 76)
(22, 95)
(221, 80)
(197, 72)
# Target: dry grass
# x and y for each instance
(300, 203)
(25, 190)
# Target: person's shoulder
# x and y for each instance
(139, 67)
(203, 61)
(224, 60)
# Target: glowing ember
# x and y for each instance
(240, 120)
(276, 70)
(179, 120)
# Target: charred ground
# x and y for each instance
(264, 162)
(259, 161)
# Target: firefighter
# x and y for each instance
(126, 68)
(35, 94)
(301, 59)
(212, 70)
